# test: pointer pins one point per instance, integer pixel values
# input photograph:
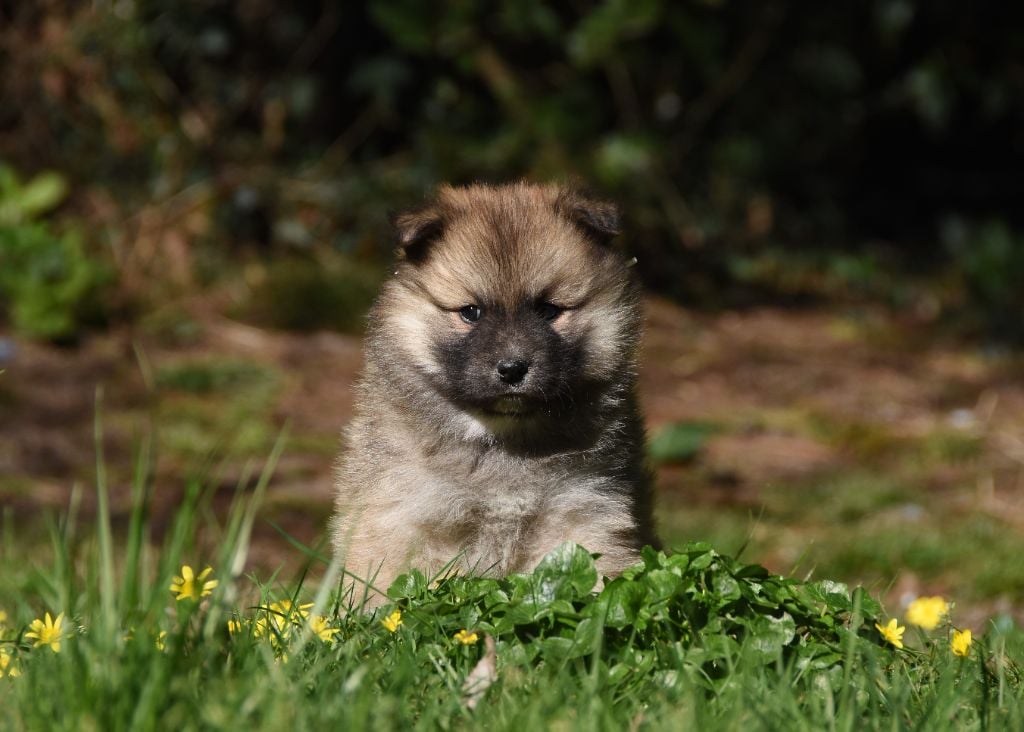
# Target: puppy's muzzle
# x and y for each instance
(512, 371)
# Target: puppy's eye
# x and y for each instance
(548, 310)
(470, 313)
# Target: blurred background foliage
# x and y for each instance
(762, 150)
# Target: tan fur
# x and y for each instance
(426, 479)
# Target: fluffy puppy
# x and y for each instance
(496, 416)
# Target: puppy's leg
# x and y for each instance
(597, 525)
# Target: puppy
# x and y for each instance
(496, 416)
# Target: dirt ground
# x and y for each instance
(811, 412)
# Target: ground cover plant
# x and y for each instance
(115, 633)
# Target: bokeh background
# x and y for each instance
(824, 200)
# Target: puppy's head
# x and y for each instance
(508, 305)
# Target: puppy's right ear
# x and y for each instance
(597, 219)
(417, 230)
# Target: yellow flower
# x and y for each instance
(892, 632)
(392, 621)
(262, 626)
(190, 587)
(285, 609)
(961, 643)
(161, 637)
(466, 638)
(49, 633)
(321, 629)
(279, 617)
(234, 625)
(927, 612)
(7, 667)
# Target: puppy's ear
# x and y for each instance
(599, 220)
(417, 230)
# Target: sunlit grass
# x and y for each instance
(693, 640)
(862, 526)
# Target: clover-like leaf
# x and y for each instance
(408, 585)
(557, 649)
(567, 572)
(768, 635)
(619, 603)
(662, 583)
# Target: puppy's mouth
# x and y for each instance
(511, 406)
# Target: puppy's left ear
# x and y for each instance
(417, 230)
(599, 220)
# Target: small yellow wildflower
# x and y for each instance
(319, 625)
(279, 617)
(49, 633)
(234, 625)
(892, 632)
(161, 639)
(927, 612)
(466, 638)
(7, 667)
(392, 621)
(285, 609)
(262, 626)
(188, 586)
(961, 643)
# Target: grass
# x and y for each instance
(690, 638)
(868, 527)
(212, 376)
(215, 402)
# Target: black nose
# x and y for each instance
(512, 372)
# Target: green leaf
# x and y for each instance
(834, 594)
(652, 557)
(495, 598)
(407, 586)
(677, 563)
(565, 573)
(869, 606)
(557, 649)
(712, 648)
(663, 584)
(768, 635)
(727, 587)
(701, 559)
(618, 673)
(817, 656)
(516, 653)
(41, 194)
(588, 635)
(752, 571)
(619, 603)
(564, 609)
(680, 442)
